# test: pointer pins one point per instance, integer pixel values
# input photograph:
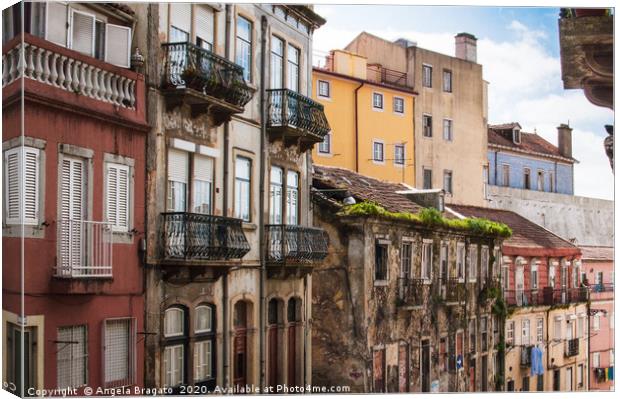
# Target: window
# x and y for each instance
(526, 179)
(427, 125)
(292, 197)
(443, 262)
(596, 322)
(427, 260)
(472, 335)
(447, 81)
(525, 332)
(72, 356)
(277, 62)
(580, 324)
(540, 181)
(174, 320)
(399, 105)
(484, 263)
(275, 195)
(203, 184)
(447, 129)
(399, 154)
(325, 145)
(324, 89)
(178, 35)
(377, 100)
(428, 179)
(596, 359)
(244, 46)
(204, 333)
(484, 334)
(557, 329)
(119, 352)
(540, 322)
(174, 365)
(551, 182)
(204, 319)
(611, 357)
(174, 346)
(473, 263)
(525, 387)
(506, 175)
(534, 276)
(377, 151)
(117, 202)
(516, 136)
(82, 32)
(21, 365)
(551, 276)
(427, 76)
(510, 333)
(497, 262)
(293, 67)
(447, 181)
(204, 24)
(35, 24)
(460, 261)
(540, 383)
(405, 260)
(580, 376)
(21, 176)
(178, 165)
(443, 354)
(243, 170)
(381, 261)
(556, 379)
(505, 277)
(73, 183)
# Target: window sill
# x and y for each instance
(380, 283)
(29, 231)
(122, 237)
(376, 109)
(248, 226)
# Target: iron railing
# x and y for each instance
(189, 66)
(413, 291)
(526, 356)
(194, 236)
(452, 289)
(84, 249)
(289, 109)
(546, 296)
(572, 347)
(293, 243)
(377, 73)
(600, 287)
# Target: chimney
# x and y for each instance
(565, 140)
(466, 47)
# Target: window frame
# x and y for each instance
(399, 162)
(327, 141)
(527, 178)
(247, 75)
(375, 143)
(21, 153)
(505, 175)
(450, 130)
(327, 84)
(427, 129)
(70, 43)
(119, 166)
(426, 269)
(378, 95)
(396, 100)
(381, 263)
(427, 78)
(131, 358)
(291, 65)
(204, 336)
(82, 359)
(460, 261)
(448, 73)
(276, 59)
(448, 174)
(430, 178)
(472, 277)
(243, 181)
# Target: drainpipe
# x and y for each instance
(588, 348)
(225, 309)
(495, 177)
(555, 178)
(261, 215)
(357, 152)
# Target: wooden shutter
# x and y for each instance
(117, 196)
(56, 29)
(71, 200)
(82, 32)
(117, 45)
(22, 173)
(205, 23)
(12, 183)
(31, 185)
(181, 16)
(178, 165)
(203, 168)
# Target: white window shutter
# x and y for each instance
(22, 174)
(205, 23)
(118, 44)
(56, 29)
(12, 185)
(31, 186)
(117, 350)
(203, 168)
(117, 196)
(178, 165)
(181, 16)
(82, 32)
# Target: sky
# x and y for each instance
(518, 48)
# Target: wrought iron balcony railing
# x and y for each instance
(295, 115)
(452, 289)
(194, 236)
(546, 296)
(292, 243)
(413, 291)
(379, 74)
(572, 347)
(526, 356)
(189, 66)
(84, 249)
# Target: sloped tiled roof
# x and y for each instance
(527, 236)
(120, 6)
(366, 188)
(530, 142)
(597, 253)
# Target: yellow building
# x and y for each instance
(370, 111)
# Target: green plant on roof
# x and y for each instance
(430, 217)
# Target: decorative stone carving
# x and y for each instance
(179, 120)
(291, 153)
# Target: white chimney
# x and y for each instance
(466, 46)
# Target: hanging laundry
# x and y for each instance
(610, 373)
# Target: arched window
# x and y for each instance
(204, 345)
(175, 346)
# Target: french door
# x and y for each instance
(72, 213)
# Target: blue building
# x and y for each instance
(527, 161)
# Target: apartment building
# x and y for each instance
(545, 343)
(74, 134)
(230, 246)
(598, 273)
(450, 113)
(370, 112)
(400, 305)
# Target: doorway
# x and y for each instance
(240, 343)
(425, 366)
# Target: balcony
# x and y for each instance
(378, 74)
(56, 75)
(546, 296)
(204, 80)
(196, 239)
(571, 347)
(293, 248)
(84, 249)
(526, 356)
(452, 289)
(412, 291)
(295, 118)
(601, 291)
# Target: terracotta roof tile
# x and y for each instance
(597, 253)
(526, 234)
(120, 6)
(366, 188)
(530, 142)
